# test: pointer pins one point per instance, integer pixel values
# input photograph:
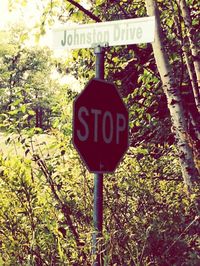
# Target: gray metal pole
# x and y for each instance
(98, 219)
(98, 178)
(99, 64)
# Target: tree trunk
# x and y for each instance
(192, 62)
(40, 117)
(174, 100)
(188, 60)
(188, 23)
(36, 117)
(193, 80)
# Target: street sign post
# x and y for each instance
(100, 132)
(112, 33)
(98, 179)
(100, 127)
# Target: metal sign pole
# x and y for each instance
(98, 178)
(98, 219)
(99, 64)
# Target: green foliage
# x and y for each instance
(46, 192)
(46, 214)
(27, 88)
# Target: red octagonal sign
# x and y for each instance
(100, 126)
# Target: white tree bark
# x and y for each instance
(175, 106)
(188, 23)
(193, 65)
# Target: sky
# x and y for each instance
(28, 15)
(3, 12)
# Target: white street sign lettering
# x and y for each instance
(111, 33)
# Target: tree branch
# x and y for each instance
(85, 11)
(63, 206)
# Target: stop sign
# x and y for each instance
(100, 126)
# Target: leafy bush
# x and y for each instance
(46, 210)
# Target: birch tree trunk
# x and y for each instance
(188, 23)
(189, 62)
(192, 61)
(193, 79)
(171, 90)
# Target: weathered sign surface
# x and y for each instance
(112, 33)
(100, 126)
